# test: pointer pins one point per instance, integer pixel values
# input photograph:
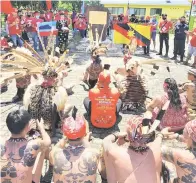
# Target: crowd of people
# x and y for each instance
(163, 27)
(46, 127)
(23, 25)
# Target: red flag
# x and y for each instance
(6, 7)
(49, 4)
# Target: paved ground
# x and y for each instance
(81, 61)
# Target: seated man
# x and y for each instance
(183, 160)
(47, 100)
(103, 104)
(190, 89)
(132, 88)
(18, 155)
(131, 155)
(73, 158)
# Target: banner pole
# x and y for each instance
(190, 13)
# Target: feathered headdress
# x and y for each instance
(26, 61)
(96, 48)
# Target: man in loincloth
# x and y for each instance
(93, 70)
(190, 89)
(132, 154)
(184, 160)
(18, 155)
(131, 86)
(73, 158)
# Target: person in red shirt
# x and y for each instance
(81, 25)
(165, 26)
(58, 15)
(192, 47)
(14, 27)
(49, 16)
(32, 24)
(103, 104)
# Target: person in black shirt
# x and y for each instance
(179, 39)
(133, 19)
(63, 32)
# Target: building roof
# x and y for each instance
(148, 2)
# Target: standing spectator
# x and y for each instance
(192, 47)
(81, 25)
(145, 22)
(58, 16)
(43, 16)
(24, 31)
(154, 24)
(165, 26)
(133, 19)
(109, 24)
(114, 21)
(49, 16)
(179, 39)
(14, 27)
(73, 17)
(62, 27)
(33, 23)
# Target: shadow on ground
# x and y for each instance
(103, 132)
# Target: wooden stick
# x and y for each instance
(100, 40)
(31, 49)
(46, 54)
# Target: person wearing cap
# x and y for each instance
(14, 28)
(183, 159)
(73, 158)
(103, 104)
(190, 89)
(18, 153)
(179, 39)
(192, 47)
(164, 27)
(132, 88)
(134, 155)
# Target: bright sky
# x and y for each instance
(154, 2)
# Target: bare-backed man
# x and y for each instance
(18, 155)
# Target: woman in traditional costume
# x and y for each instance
(175, 115)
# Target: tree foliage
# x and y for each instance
(61, 4)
